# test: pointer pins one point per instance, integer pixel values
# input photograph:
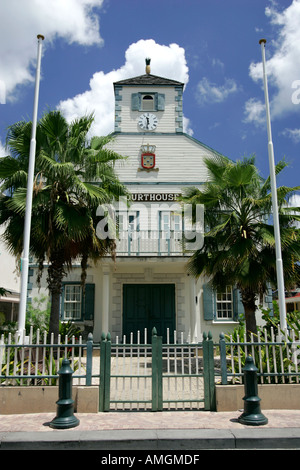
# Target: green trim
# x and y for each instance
(118, 107)
(157, 375)
(137, 101)
(210, 305)
(157, 372)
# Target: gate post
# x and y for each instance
(222, 345)
(209, 373)
(105, 361)
(89, 360)
(157, 398)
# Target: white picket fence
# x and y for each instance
(37, 362)
(277, 358)
(25, 361)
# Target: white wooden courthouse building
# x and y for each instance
(148, 284)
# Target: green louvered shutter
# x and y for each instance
(238, 308)
(160, 101)
(209, 297)
(135, 101)
(88, 302)
(62, 303)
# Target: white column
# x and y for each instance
(193, 317)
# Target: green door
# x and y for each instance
(148, 306)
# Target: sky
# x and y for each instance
(212, 46)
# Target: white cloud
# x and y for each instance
(294, 134)
(3, 152)
(217, 63)
(283, 67)
(255, 111)
(208, 92)
(294, 200)
(22, 21)
(166, 61)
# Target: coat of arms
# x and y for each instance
(148, 160)
(147, 157)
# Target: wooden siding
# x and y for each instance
(179, 159)
(166, 118)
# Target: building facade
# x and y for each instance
(10, 281)
(148, 285)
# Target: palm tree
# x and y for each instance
(72, 178)
(239, 243)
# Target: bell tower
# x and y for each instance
(148, 104)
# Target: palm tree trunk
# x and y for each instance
(54, 315)
(55, 277)
(248, 300)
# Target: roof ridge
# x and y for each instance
(148, 79)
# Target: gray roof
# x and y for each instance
(149, 79)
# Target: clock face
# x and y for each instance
(148, 121)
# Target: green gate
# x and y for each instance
(156, 376)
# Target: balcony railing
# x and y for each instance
(150, 243)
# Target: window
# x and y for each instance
(75, 305)
(72, 302)
(148, 103)
(128, 224)
(170, 225)
(224, 304)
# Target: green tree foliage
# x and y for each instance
(73, 176)
(239, 242)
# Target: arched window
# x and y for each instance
(148, 103)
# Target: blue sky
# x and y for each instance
(212, 46)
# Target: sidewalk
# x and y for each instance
(143, 430)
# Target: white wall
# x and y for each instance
(9, 273)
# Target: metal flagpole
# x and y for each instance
(279, 265)
(30, 177)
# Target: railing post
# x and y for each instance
(157, 398)
(222, 345)
(208, 373)
(107, 372)
(89, 359)
(105, 359)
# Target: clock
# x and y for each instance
(148, 121)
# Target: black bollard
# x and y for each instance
(65, 418)
(252, 414)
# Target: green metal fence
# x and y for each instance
(275, 353)
(152, 375)
(156, 376)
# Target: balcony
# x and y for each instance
(150, 243)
